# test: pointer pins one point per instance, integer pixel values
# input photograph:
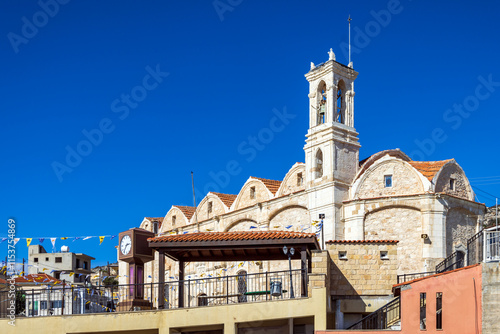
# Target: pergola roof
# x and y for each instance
(234, 246)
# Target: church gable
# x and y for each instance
(177, 216)
(254, 191)
(294, 180)
(210, 207)
(388, 177)
(451, 180)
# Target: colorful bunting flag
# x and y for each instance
(16, 240)
(53, 241)
(101, 239)
(41, 240)
(64, 238)
(28, 242)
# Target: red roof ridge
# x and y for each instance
(272, 185)
(429, 169)
(188, 211)
(227, 199)
(233, 235)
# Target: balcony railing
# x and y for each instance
(409, 277)
(207, 291)
(484, 247)
(454, 261)
(383, 318)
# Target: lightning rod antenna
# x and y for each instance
(349, 20)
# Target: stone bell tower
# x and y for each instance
(332, 148)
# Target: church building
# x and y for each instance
(416, 213)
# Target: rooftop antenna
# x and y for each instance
(194, 202)
(349, 20)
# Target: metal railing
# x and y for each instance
(207, 291)
(475, 249)
(382, 318)
(492, 246)
(454, 261)
(410, 277)
(484, 247)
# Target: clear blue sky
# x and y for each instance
(228, 68)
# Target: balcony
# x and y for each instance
(202, 292)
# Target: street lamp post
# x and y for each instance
(290, 253)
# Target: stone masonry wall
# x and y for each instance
(320, 268)
(461, 188)
(298, 217)
(291, 183)
(402, 224)
(459, 228)
(491, 297)
(404, 181)
(363, 272)
(244, 199)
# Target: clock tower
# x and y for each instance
(133, 248)
(332, 148)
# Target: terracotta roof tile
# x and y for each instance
(37, 278)
(227, 199)
(188, 211)
(429, 169)
(272, 185)
(233, 236)
(362, 241)
(158, 219)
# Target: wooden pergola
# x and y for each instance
(232, 246)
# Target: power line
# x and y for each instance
(491, 195)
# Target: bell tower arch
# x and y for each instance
(332, 147)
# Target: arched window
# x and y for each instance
(321, 108)
(155, 227)
(340, 112)
(318, 164)
(242, 286)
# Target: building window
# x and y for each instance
(209, 207)
(252, 192)
(300, 180)
(155, 227)
(322, 104)
(318, 169)
(342, 255)
(56, 304)
(384, 255)
(43, 305)
(452, 184)
(388, 181)
(35, 259)
(174, 218)
(423, 311)
(58, 259)
(439, 310)
(85, 265)
(57, 274)
(46, 259)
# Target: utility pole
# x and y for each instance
(194, 202)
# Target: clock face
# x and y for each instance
(125, 244)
